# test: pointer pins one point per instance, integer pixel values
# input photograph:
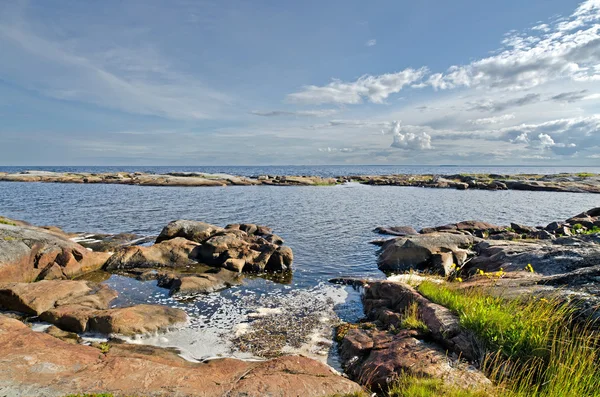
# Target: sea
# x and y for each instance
(329, 229)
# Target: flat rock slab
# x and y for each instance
(134, 320)
(39, 364)
(36, 298)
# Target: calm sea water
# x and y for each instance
(328, 228)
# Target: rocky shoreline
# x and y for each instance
(404, 333)
(574, 182)
(559, 262)
(43, 278)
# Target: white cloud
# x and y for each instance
(566, 50)
(335, 150)
(373, 88)
(546, 140)
(543, 27)
(492, 120)
(562, 136)
(408, 140)
(521, 138)
(371, 43)
(302, 113)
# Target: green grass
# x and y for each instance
(5, 221)
(580, 229)
(104, 347)
(585, 174)
(412, 320)
(593, 230)
(534, 346)
(517, 329)
(412, 386)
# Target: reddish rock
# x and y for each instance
(176, 252)
(39, 364)
(29, 253)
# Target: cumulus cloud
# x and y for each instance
(371, 43)
(372, 88)
(408, 140)
(301, 113)
(492, 120)
(546, 140)
(568, 49)
(562, 136)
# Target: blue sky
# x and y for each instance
(317, 82)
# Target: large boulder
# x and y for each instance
(238, 251)
(35, 363)
(176, 252)
(30, 253)
(238, 247)
(137, 319)
(189, 230)
(437, 252)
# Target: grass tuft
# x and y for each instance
(535, 348)
(413, 386)
(5, 221)
(412, 320)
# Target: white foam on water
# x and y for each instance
(307, 315)
(40, 327)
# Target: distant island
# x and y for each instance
(582, 182)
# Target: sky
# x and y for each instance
(232, 82)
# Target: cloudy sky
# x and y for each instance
(225, 82)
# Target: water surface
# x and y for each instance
(328, 228)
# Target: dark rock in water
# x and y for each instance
(189, 230)
(522, 228)
(354, 282)
(554, 226)
(436, 252)
(543, 235)
(29, 253)
(396, 230)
